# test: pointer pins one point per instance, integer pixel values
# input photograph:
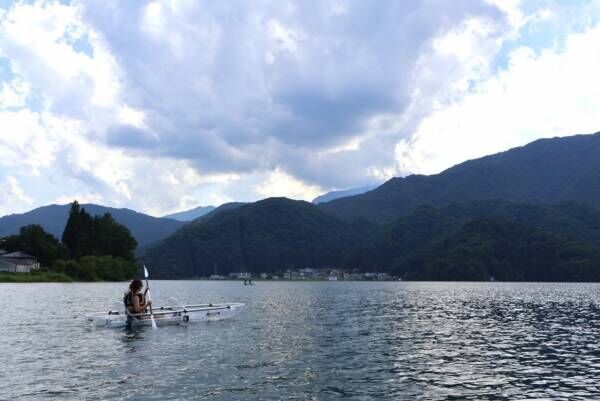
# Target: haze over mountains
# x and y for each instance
(329, 196)
(192, 214)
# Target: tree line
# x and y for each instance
(92, 248)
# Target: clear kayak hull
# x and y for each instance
(166, 315)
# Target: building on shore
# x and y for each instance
(17, 262)
(240, 276)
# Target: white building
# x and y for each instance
(241, 276)
(18, 262)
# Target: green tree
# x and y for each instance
(85, 235)
(35, 241)
(74, 234)
(112, 238)
(97, 268)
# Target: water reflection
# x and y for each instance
(132, 338)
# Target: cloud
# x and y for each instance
(163, 105)
(79, 197)
(12, 197)
(281, 184)
(249, 88)
(14, 94)
(549, 93)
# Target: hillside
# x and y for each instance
(146, 229)
(268, 235)
(491, 239)
(477, 240)
(224, 207)
(544, 171)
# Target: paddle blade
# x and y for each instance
(154, 327)
(145, 272)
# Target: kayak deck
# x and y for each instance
(166, 315)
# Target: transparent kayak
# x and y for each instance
(166, 315)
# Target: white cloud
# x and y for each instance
(279, 183)
(129, 116)
(27, 145)
(161, 106)
(553, 93)
(209, 100)
(89, 197)
(14, 94)
(13, 198)
(250, 89)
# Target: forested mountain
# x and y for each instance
(491, 239)
(222, 208)
(268, 235)
(146, 229)
(479, 240)
(531, 213)
(191, 214)
(544, 171)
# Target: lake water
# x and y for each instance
(308, 341)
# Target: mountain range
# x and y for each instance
(511, 203)
(266, 235)
(53, 218)
(530, 213)
(546, 171)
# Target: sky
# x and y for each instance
(162, 106)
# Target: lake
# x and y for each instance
(308, 341)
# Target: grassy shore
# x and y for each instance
(35, 277)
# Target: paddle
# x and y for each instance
(148, 298)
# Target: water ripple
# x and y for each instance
(309, 341)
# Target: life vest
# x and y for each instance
(128, 300)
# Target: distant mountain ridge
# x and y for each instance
(530, 213)
(329, 196)
(479, 240)
(192, 214)
(544, 171)
(53, 218)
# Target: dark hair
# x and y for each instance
(136, 285)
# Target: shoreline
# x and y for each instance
(40, 277)
(52, 277)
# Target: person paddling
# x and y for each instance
(134, 299)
